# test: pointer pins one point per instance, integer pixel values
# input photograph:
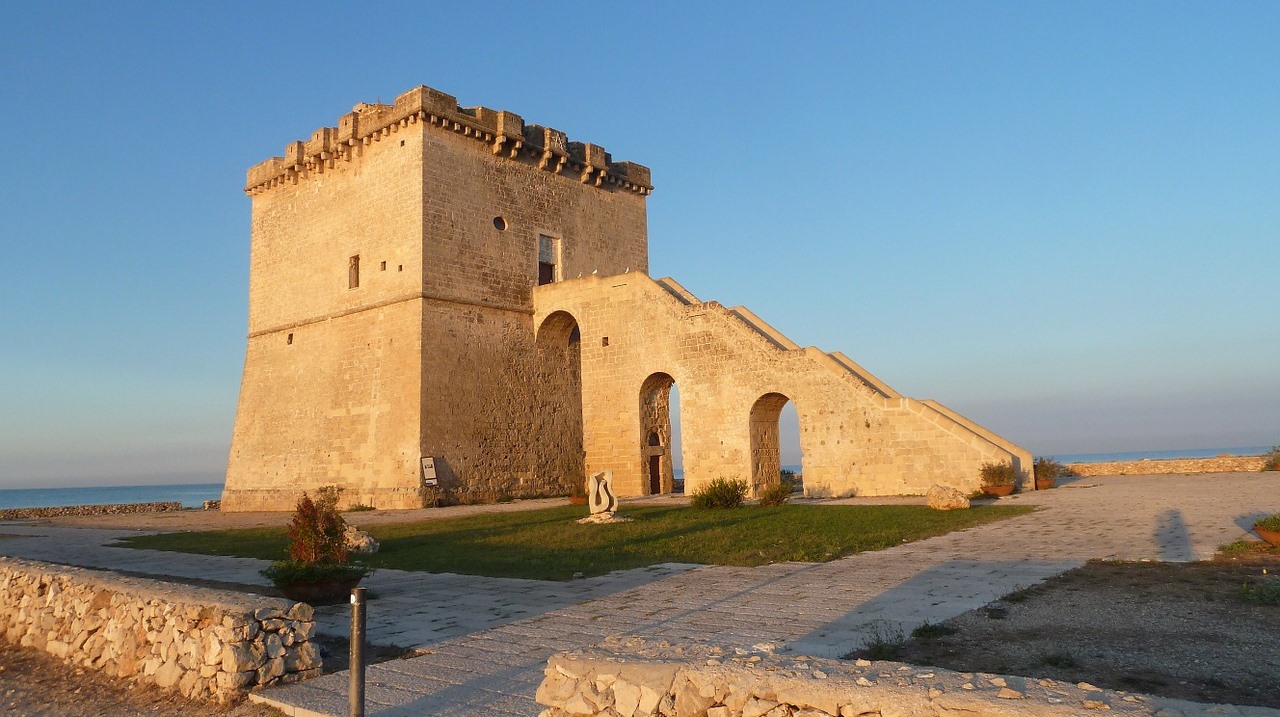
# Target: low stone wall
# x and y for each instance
(1222, 464)
(766, 685)
(112, 509)
(203, 643)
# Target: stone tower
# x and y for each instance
(446, 303)
(391, 347)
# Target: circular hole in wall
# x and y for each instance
(500, 224)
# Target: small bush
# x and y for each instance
(1059, 659)
(994, 474)
(359, 508)
(1262, 592)
(317, 533)
(720, 493)
(929, 631)
(1271, 459)
(884, 642)
(1271, 522)
(1046, 468)
(778, 494)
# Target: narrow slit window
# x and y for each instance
(353, 272)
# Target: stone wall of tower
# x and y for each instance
(353, 376)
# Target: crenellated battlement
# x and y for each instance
(503, 133)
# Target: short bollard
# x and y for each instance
(357, 653)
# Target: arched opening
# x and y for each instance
(770, 454)
(659, 452)
(557, 392)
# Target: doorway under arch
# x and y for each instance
(559, 456)
(767, 444)
(658, 448)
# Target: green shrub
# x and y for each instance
(994, 474)
(359, 508)
(317, 532)
(1271, 522)
(1046, 468)
(1262, 592)
(779, 493)
(1271, 459)
(720, 493)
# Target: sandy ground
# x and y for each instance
(1177, 630)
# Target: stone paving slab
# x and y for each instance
(824, 609)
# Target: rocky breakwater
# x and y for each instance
(637, 683)
(1150, 466)
(206, 644)
(168, 506)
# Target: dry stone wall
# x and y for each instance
(764, 685)
(205, 644)
(108, 509)
(1221, 464)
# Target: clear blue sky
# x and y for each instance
(1059, 219)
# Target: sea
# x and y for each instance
(193, 495)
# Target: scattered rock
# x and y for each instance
(941, 497)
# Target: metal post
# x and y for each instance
(357, 653)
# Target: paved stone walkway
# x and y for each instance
(488, 639)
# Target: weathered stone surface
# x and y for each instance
(941, 497)
(202, 643)
(359, 541)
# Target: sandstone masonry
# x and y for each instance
(205, 644)
(1221, 464)
(107, 509)
(450, 304)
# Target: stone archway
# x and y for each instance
(655, 429)
(557, 394)
(766, 458)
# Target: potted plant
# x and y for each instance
(1047, 472)
(318, 569)
(578, 494)
(1268, 529)
(998, 479)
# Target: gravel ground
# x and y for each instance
(1178, 630)
(36, 684)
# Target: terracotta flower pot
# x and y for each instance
(1044, 483)
(577, 500)
(1271, 536)
(998, 491)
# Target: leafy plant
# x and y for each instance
(360, 508)
(1046, 468)
(1271, 522)
(1271, 459)
(720, 493)
(884, 642)
(997, 474)
(317, 544)
(1262, 592)
(779, 493)
(317, 533)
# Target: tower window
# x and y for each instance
(548, 260)
(353, 272)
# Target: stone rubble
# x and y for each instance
(359, 541)
(205, 644)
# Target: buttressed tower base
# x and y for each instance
(449, 304)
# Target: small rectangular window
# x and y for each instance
(548, 260)
(353, 272)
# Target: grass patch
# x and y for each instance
(548, 544)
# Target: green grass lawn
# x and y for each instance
(548, 544)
